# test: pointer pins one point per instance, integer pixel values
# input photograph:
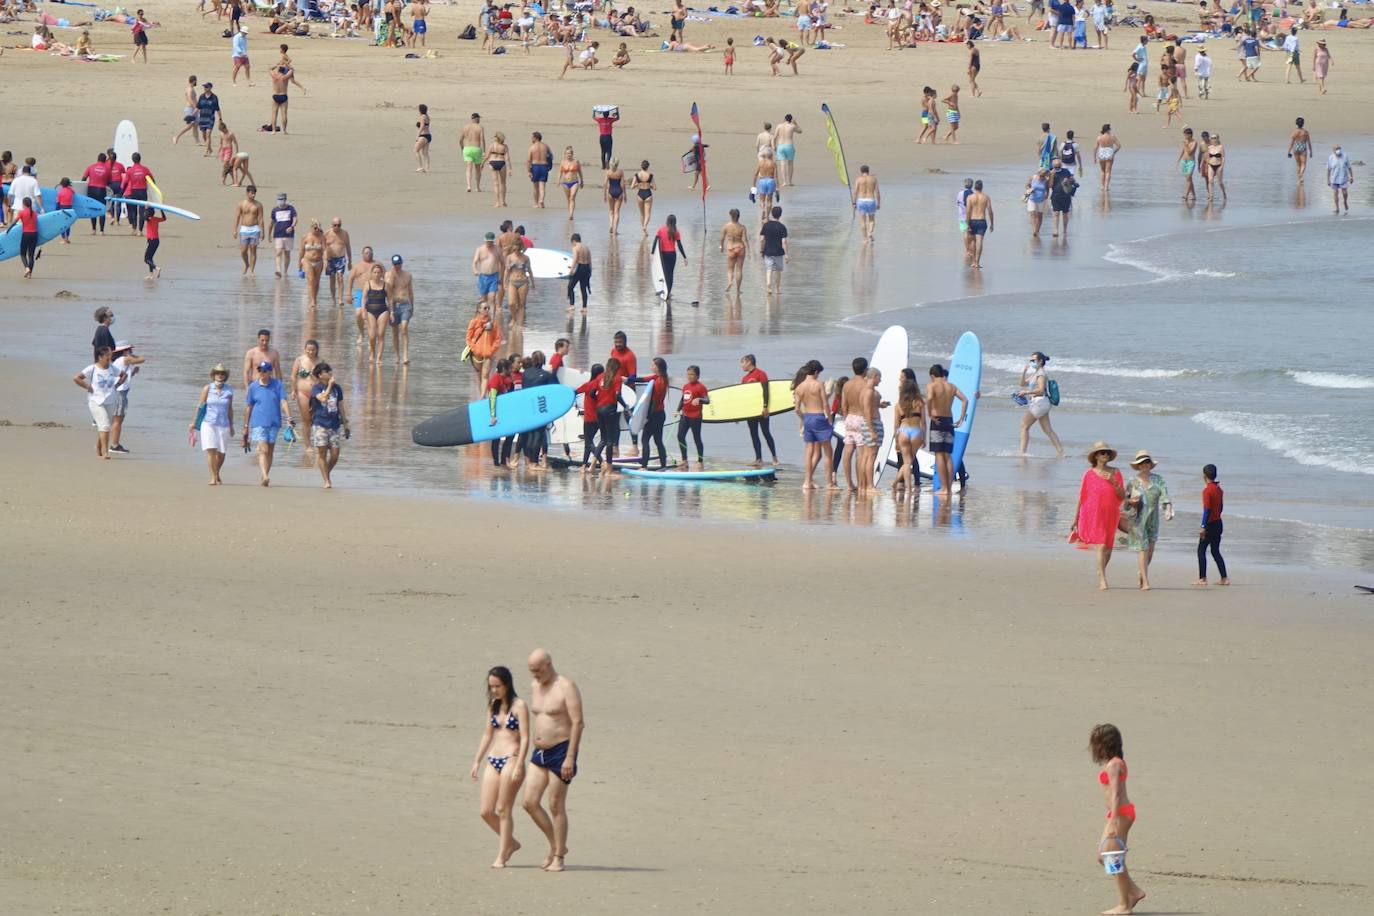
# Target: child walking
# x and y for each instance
(151, 222)
(1209, 534)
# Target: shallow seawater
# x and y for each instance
(1235, 335)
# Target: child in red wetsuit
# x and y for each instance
(694, 395)
(498, 384)
(66, 199)
(1209, 534)
(151, 222)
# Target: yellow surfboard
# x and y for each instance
(154, 192)
(734, 403)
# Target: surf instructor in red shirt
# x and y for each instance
(135, 187)
(752, 373)
(97, 178)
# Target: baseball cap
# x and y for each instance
(490, 236)
(396, 259)
(207, 85)
(264, 366)
(281, 196)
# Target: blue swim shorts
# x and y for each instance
(816, 428)
(264, 434)
(767, 186)
(539, 174)
(866, 205)
(402, 311)
(787, 152)
(488, 284)
(552, 759)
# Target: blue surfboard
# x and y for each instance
(966, 374)
(175, 211)
(85, 207)
(50, 226)
(735, 474)
(516, 412)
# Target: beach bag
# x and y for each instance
(1052, 391)
(468, 34)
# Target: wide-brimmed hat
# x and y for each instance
(1100, 446)
(123, 345)
(1141, 457)
(219, 370)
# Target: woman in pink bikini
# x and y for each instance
(1105, 745)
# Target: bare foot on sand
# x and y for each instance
(555, 864)
(502, 859)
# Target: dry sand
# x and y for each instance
(238, 701)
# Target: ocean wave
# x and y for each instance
(1287, 436)
(1219, 274)
(1008, 363)
(1330, 379)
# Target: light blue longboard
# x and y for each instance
(966, 374)
(50, 226)
(175, 211)
(85, 207)
(734, 474)
(516, 412)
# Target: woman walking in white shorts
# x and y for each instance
(1034, 388)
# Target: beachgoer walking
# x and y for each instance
(605, 124)
(1063, 186)
(1037, 198)
(1294, 55)
(284, 219)
(215, 420)
(1202, 69)
(497, 157)
(327, 415)
(1107, 147)
(357, 275)
(1147, 498)
(1209, 532)
(1340, 175)
(581, 276)
(310, 260)
(951, 103)
(302, 378)
(139, 27)
(538, 162)
(135, 187)
(423, 137)
(239, 52)
(1215, 158)
(487, 267)
(1321, 65)
(613, 192)
(265, 407)
(501, 760)
(1105, 745)
(473, 139)
(1035, 389)
(694, 396)
(556, 704)
(378, 304)
(483, 339)
(765, 182)
(667, 245)
(1046, 146)
(1099, 507)
(27, 218)
(97, 178)
(188, 112)
(207, 113)
(104, 337)
(978, 206)
(644, 187)
(854, 426)
(773, 249)
(868, 200)
(519, 283)
(1299, 147)
(785, 147)
(570, 177)
(262, 351)
(735, 246)
(975, 66)
(338, 254)
(940, 398)
(1188, 156)
(401, 284)
(99, 381)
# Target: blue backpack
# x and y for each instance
(1052, 391)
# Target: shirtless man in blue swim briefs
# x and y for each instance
(557, 707)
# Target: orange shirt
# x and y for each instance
(482, 342)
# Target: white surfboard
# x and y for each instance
(889, 358)
(660, 282)
(125, 141)
(548, 264)
(158, 205)
(567, 429)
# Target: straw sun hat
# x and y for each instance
(219, 370)
(1100, 446)
(1140, 458)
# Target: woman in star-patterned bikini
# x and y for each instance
(500, 759)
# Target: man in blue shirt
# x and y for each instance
(266, 404)
(1250, 50)
(207, 112)
(283, 233)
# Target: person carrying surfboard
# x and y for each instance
(658, 414)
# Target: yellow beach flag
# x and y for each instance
(832, 140)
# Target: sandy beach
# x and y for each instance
(252, 701)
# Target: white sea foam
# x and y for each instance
(1288, 437)
(1331, 380)
(1219, 274)
(1008, 363)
